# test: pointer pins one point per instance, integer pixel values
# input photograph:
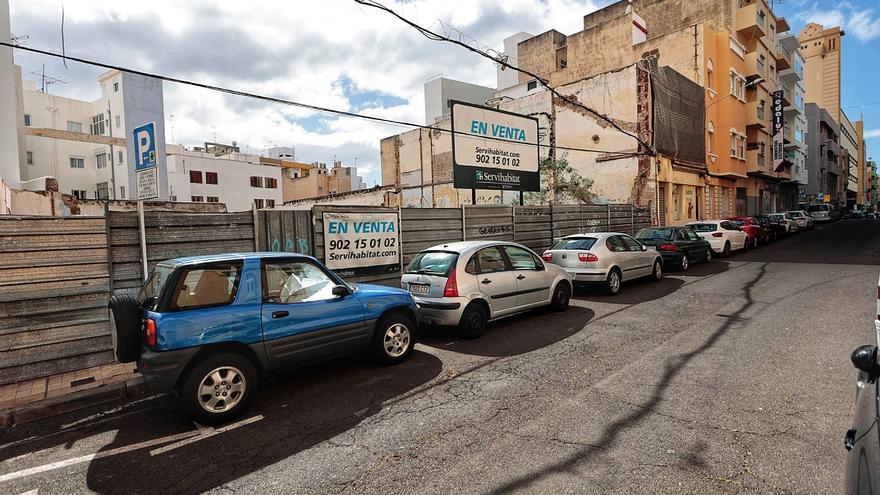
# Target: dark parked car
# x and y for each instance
(207, 327)
(757, 233)
(678, 246)
(772, 225)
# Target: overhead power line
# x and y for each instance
(501, 61)
(282, 101)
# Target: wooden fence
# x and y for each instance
(56, 274)
(54, 288)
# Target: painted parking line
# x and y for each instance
(175, 441)
(209, 433)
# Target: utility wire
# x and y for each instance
(499, 60)
(307, 106)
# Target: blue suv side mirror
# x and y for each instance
(340, 291)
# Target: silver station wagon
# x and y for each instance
(466, 284)
(608, 258)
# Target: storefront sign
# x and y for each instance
(361, 243)
(778, 129)
(493, 149)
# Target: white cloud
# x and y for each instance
(293, 50)
(861, 23)
(873, 133)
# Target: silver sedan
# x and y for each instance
(608, 258)
(466, 284)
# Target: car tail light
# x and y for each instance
(150, 332)
(548, 257)
(451, 288)
(717, 234)
(666, 247)
(588, 257)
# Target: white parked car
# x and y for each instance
(466, 284)
(723, 235)
(803, 219)
(607, 258)
(791, 225)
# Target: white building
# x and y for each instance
(239, 180)
(82, 144)
(287, 153)
(440, 91)
(791, 81)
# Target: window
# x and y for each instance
(563, 64)
(521, 259)
(77, 162)
(74, 126)
(761, 17)
(256, 182)
(575, 243)
(733, 141)
(271, 183)
(531, 85)
(120, 158)
(737, 85)
(212, 199)
(122, 192)
(116, 87)
(30, 157)
(78, 194)
(435, 263)
(741, 148)
(195, 177)
(762, 61)
(103, 191)
(710, 75)
(101, 160)
(197, 199)
(296, 282)
(118, 121)
(270, 203)
(27, 120)
(206, 286)
(615, 244)
(97, 126)
(490, 260)
(211, 178)
(259, 203)
(631, 244)
(710, 129)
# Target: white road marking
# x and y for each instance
(109, 411)
(35, 491)
(90, 457)
(210, 433)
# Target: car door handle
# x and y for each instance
(280, 314)
(520, 277)
(486, 281)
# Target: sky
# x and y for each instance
(340, 55)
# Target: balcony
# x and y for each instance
(783, 58)
(751, 20)
(757, 62)
(756, 115)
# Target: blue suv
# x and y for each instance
(208, 326)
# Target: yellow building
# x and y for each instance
(820, 48)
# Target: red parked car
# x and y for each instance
(757, 233)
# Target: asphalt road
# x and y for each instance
(733, 377)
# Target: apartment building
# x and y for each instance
(441, 91)
(823, 156)
(316, 180)
(239, 180)
(82, 144)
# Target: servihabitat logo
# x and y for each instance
(497, 177)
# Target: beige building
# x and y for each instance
(820, 48)
(301, 181)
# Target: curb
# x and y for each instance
(75, 401)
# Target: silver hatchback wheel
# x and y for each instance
(613, 282)
(222, 389)
(397, 340)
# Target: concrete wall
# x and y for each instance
(439, 91)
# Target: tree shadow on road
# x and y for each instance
(515, 335)
(673, 366)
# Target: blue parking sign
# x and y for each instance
(144, 146)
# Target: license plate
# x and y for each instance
(419, 289)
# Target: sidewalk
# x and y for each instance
(44, 397)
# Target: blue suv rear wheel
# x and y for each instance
(218, 387)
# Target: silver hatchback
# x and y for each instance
(607, 258)
(466, 284)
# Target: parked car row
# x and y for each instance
(208, 327)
